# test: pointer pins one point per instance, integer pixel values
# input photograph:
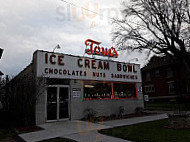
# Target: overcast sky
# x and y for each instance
(28, 25)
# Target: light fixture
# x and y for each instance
(56, 47)
(89, 86)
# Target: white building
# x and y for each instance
(67, 87)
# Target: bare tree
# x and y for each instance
(160, 26)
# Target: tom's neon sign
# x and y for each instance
(93, 48)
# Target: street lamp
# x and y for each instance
(57, 47)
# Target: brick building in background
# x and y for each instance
(165, 79)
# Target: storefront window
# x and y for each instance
(97, 90)
(122, 90)
(108, 90)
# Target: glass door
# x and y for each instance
(57, 103)
(63, 103)
(52, 103)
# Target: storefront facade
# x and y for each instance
(73, 85)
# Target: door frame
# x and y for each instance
(69, 102)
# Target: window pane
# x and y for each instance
(124, 90)
(169, 73)
(63, 103)
(52, 103)
(188, 87)
(97, 90)
(157, 73)
(171, 88)
(148, 76)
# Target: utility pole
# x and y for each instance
(1, 53)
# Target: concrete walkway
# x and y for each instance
(93, 136)
(131, 121)
(59, 129)
(84, 131)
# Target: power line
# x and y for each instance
(75, 5)
(70, 3)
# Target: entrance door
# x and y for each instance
(52, 103)
(57, 103)
(63, 103)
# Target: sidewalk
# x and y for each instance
(166, 111)
(131, 121)
(61, 129)
(93, 136)
(84, 131)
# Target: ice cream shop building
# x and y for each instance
(70, 87)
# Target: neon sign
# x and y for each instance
(92, 48)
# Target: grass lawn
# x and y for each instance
(58, 140)
(173, 106)
(149, 132)
(6, 133)
(6, 126)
